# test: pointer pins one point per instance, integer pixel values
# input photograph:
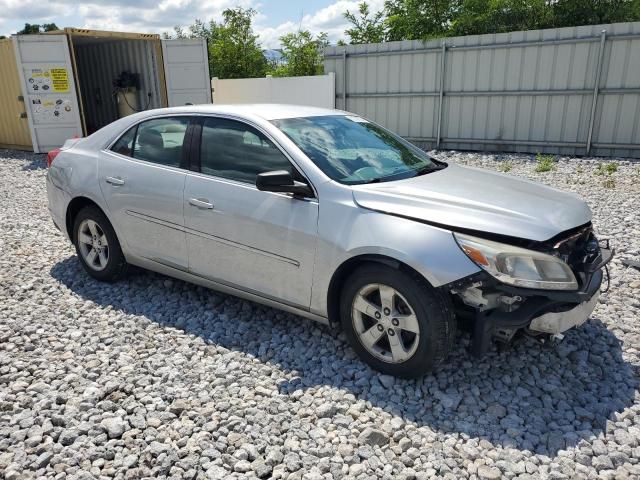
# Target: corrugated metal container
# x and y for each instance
(14, 130)
(67, 80)
(568, 90)
(100, 60)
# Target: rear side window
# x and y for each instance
(124, 146)
(236, 151)
(159, 141)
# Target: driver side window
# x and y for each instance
(236, 151)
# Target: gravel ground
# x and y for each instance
(153, 377)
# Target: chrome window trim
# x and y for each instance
(226, 116)
(145, 162)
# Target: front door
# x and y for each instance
(261, 242)
(142, 179)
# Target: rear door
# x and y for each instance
(142, 180)
(49, 89)
(186, 68)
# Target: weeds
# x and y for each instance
(609, 183)
(545, 163)
(606, 169)
(505, 167)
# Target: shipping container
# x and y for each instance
(76, 81)
(14, 129)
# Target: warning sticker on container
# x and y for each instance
(48, 80)
(60, 80)
(48, 109)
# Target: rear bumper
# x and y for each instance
(58, 200)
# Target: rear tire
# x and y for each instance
(396, 321)
(97, 245)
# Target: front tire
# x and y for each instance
(396, 321)
(97, 245)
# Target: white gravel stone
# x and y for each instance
(153, 377)
(114, 426)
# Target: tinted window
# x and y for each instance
(352, 150)
(237, 151)
(125, 144)
(160, 140)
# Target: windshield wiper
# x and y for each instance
(429, 169)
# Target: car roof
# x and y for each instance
(267, 111)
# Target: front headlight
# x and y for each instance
(518, 266)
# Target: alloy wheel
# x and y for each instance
(385, 323)
(93, 245)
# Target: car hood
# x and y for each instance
(475, 199)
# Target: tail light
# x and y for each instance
(52, 155)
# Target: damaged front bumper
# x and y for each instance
(501, 310)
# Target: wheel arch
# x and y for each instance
(348, 267)
(75, 206)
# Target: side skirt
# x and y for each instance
(205, 282)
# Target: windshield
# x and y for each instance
(352, 150)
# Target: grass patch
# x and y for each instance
(544, 163)
(505, 167)
(606, 169)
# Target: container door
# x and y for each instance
(49, 89)
(186, 67)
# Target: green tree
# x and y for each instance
(198, 29)
(367, 28)
(475, 17)
(302, 54)
(234, 52)
(37, 28)
(592, 12)
(419, 19)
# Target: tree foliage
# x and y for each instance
(302, 54)
(234, 50)
(476, 17)
(30, 28)
(593, 12)
(367, 27)
(425, 19)
(418, 19)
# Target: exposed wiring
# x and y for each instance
(606, 269)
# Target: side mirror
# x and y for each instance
(282, 181)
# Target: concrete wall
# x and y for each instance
(316, 91)
(569, 91)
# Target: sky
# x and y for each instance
(274, 18)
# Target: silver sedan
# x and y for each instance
(328, 215)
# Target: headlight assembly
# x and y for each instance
(518, 266)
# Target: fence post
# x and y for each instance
(344, 78)
(442, 67)
(596, 89)
(214, 87)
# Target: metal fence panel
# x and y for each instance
(568, 91)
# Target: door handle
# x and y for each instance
(114, 181)
(202, 203)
